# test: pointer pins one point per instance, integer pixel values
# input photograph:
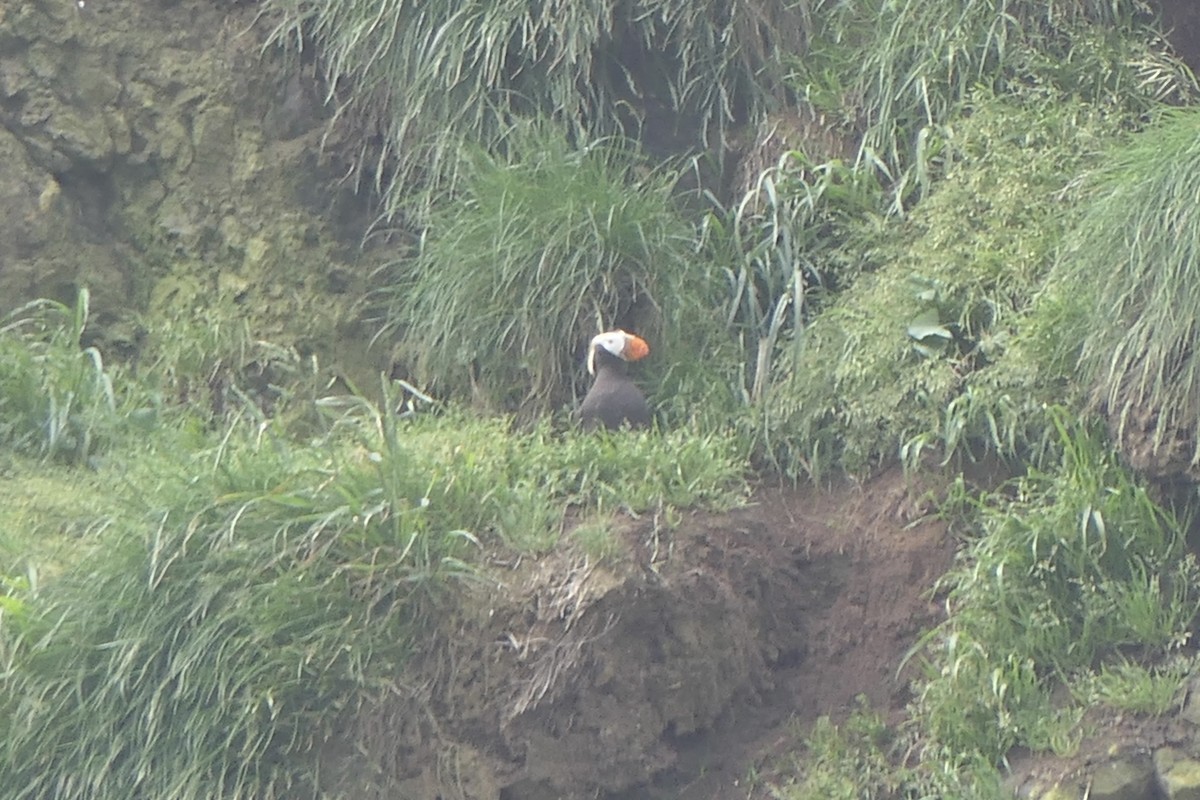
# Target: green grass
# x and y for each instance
(851, 761)
(56, 397)
(50, 514)
(1073, 590)
(936, 346)
(251, 591)
(1129, 686)
(742, 305)
(794, 240)
(199, 656)
(1132, 258)
(901, 72)
(503, 478)
(865, 758)
(542, 250)
(598, 538)
(427, 78)
(1066, 569)
(205, 609)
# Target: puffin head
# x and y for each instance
(624, 346)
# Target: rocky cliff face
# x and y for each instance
(155, 152)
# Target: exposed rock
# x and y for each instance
(1160, 450)
(1124, 779)
(143, 140)
(1178, 774)
(804, 130)
(1066, 791)
(1191, 706)
(1181, 19)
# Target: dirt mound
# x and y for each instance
(669, 671)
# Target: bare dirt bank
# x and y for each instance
(671, 671)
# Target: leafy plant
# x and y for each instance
(785, 245)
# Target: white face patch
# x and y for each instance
(612, 341)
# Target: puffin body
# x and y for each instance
(614, 400)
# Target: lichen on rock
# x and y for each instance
(142, 140)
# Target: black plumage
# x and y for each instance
(614, 399)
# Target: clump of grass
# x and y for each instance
(1131, 256)
(598, 538)
(482, 458)
(205, 354)
(850, 761)
(543, 249)
(1069, 567)
(426, 78)
(863, 758)
(56, 396)
(901, 71)
(275, 588)
(793, 240)
(1129, 686)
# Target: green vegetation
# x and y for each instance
(936, 347)
(56, 399)
(851, 762)
(221, 642)
(827, 333)
(795, 238)
(1129, 686)
(430, 77)
(1132, 256)
(1066, 568)
(911, 68)
(256, 588)
(597, 538)
(1071, 578)
(213, 565)
(600, 239)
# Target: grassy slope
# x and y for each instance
(931, 350)
(173, 557)
(215, 602)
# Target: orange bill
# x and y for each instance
(635, 348)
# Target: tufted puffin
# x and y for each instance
(614, 400)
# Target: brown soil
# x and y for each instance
(671, 673)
